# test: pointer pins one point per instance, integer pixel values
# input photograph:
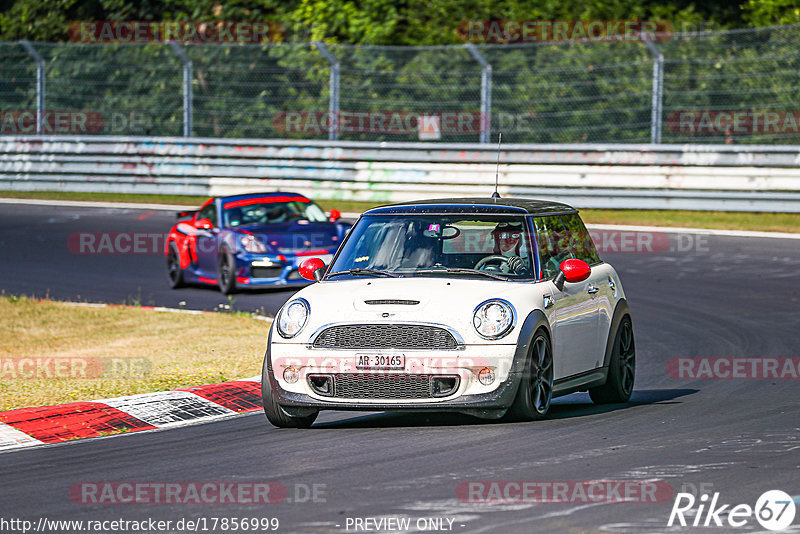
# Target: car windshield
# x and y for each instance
(435, 245)
(256, 211)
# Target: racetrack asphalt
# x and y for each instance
(725, 297)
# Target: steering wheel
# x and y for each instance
(495, 258)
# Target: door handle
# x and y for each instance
(592, 290)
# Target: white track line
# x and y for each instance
(91, 204)
(681, 230)
(168, 207)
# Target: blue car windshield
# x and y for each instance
(431, 245)
(246, 213)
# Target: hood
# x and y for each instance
(447, 301)
(291, 237)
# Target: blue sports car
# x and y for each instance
(252, 240)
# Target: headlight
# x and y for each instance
(493, 319)
(252, 244)
(293, 318)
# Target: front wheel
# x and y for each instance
(536, 387)
(275, 414)
(174, 271)
(226, 273)
(621, 368)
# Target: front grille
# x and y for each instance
(392, 386)
(385, 336)
(266, 272)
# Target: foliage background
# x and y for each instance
(542, 92)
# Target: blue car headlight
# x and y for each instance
(252, 244)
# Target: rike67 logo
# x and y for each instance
(774, 510)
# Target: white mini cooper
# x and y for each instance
(489, 307)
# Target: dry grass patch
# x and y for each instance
(132, 350)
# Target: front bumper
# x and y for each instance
(491, 405)
(471, 397)
(259, 270)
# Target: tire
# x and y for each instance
(275, 414)
(621, 367)
(226, 272)
(174, 271)
(536, 386)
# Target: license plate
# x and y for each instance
(380, 361)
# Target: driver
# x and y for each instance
(507, 243)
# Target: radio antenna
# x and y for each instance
(497, 169)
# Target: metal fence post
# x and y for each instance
(486, 92)
(333, 102)
(40, 87)
(658, 91)
(187, 87)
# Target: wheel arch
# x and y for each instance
(535, 321)
(620, 311)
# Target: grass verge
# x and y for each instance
(132, 350)
(721, 220)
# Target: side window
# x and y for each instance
(551, 238)
(580, 242)
(210, 213)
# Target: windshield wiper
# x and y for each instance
(374, 272)
(462, 270)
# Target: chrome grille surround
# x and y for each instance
(399, 336)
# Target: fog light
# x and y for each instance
(486, 376)
(291, 375)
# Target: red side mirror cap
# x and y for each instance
(575, 270)
(335, 215)
(312, 269)
(203, 224)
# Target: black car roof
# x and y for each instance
(505, 206)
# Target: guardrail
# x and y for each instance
(697, 177)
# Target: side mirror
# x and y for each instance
(203, 224)
(312, 269)
(572, 270)
(184, 214)
(335, 215)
